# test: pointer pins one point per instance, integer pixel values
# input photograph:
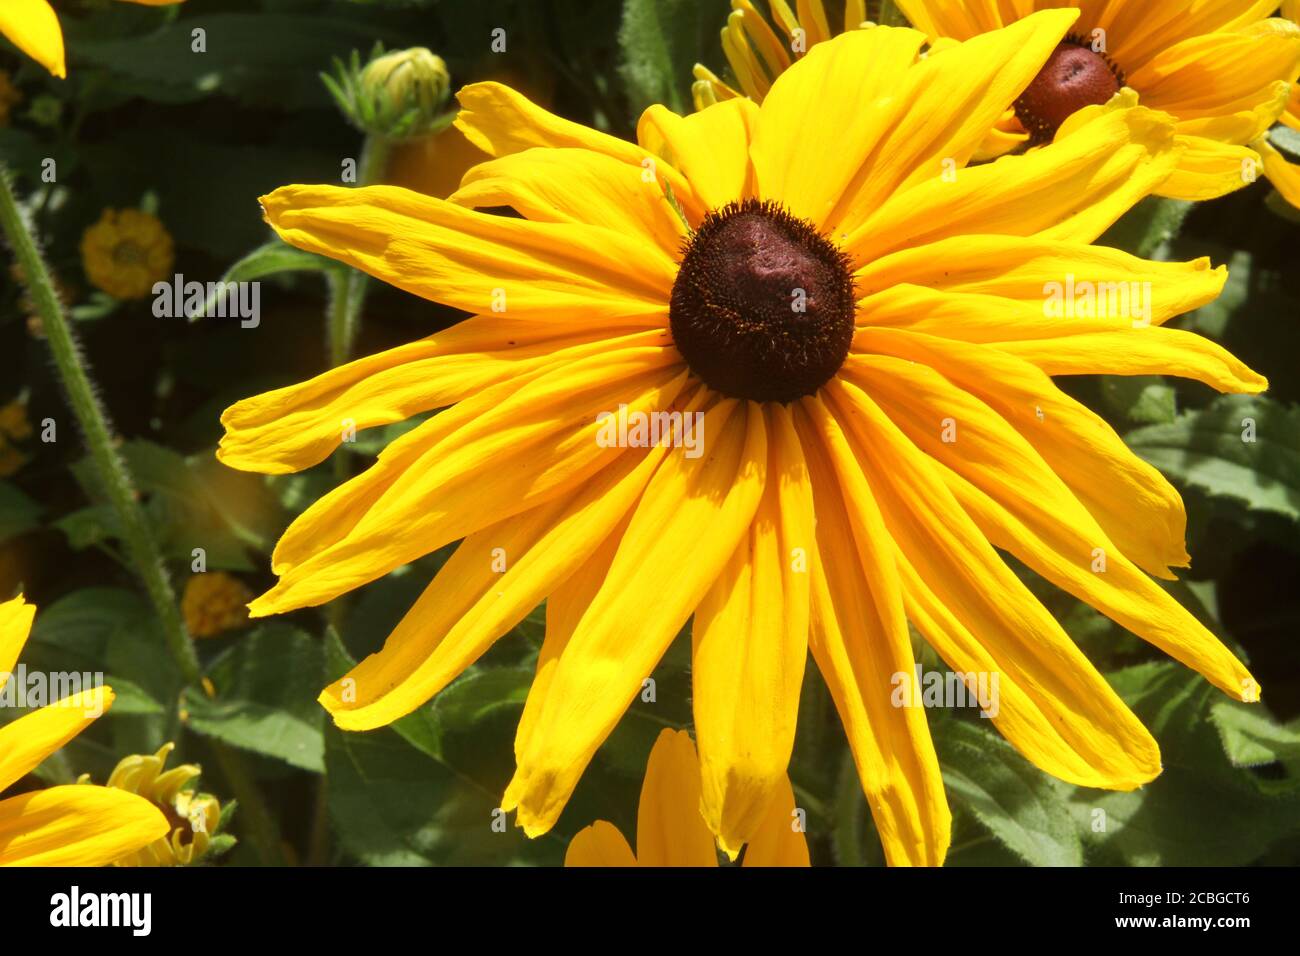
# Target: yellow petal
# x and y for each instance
(1140, 351)
(1210, 169)
(779, 839)
(32, 27)
(689, 521)
(599, 845)
(15, 624)
(501, 121)
(495, 578)
(474, 261)
(711, 147)
(669, 828)
(750, 644)
(293, 428)
(576, 186)
(1137, 508)
(27, 741)
(76, 825)
(982, 620)
(807, 105)
(1073, 189)
(1199, 75)
(943, 107)
(477, 463)
(1284, 175)
(859, 640)
(1023, 507)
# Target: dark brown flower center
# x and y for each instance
(763, 305)
(1073, 77)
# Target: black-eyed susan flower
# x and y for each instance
(758, 52)
(69, 825)
(126, 252)
(193, 817)
(213, 603)
(1223, 70)
(33, 27)
(846, 336)
(670, 831)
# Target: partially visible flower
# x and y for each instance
(68, 825)
(192, 817)
(214, 602)
(10, 96)
(126, 252)
(757, 55)
(1222, 70)
(33, 27)
(670, 830)
(14, 427)
(1284, 175)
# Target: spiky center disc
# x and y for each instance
(1073, 77)
(763, 304)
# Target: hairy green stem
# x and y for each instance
(112, 471)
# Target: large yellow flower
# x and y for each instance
(33, 27)
(1222, 68)
(70, 825)
(866, 329)
(1281, 173)
(670, 830)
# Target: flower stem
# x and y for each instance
(347, 299)
(91, 416)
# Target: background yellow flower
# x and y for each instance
(126, 252)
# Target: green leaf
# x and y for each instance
(1148, 227)
(272, 258)
(266, 689)
(1140, 399)
(1250, 738)
(1213, 450)
(1286, 139)
(1018, 804)
(18, 513)
(661, 41)
(1201, 810)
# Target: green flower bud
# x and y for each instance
(397, 95)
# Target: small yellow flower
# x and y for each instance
(671, 831)
(9, 97)
(60, 826)
(14, 426)
(126, 252)
(191, 816)
(31, 25)
(214, 602)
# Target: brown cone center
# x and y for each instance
(1073, 77)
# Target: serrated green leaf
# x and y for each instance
(1147, 228)
(1212, 450)
(1140, 399)
(1251, 738)
(1019, 805)
(266, 689)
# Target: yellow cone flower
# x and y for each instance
(126, 252)
(1222, 69)
(214, 602)
(848, 352)
(32, 26)
(670, 830)
(70, 825)
(192, 816)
